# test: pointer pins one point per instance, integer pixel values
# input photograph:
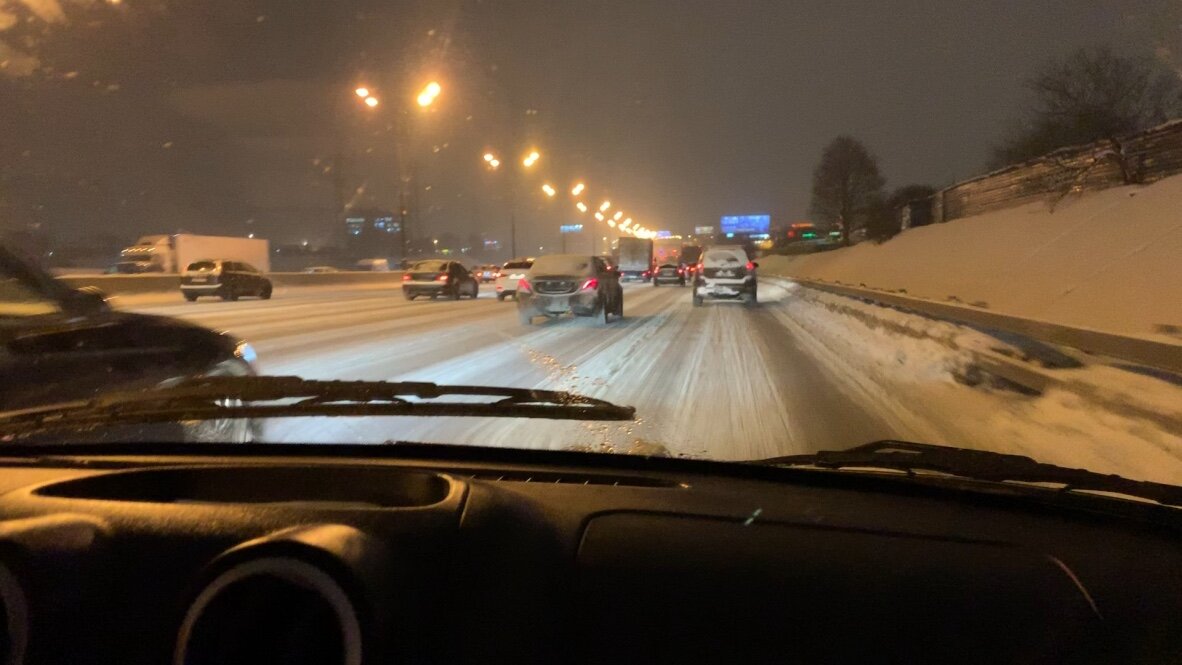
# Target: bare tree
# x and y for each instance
(1090, 95)
(847, 187)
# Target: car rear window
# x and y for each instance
(202, 266)
(723, 256)
(519, 265)
(562, 264)
(429, 266)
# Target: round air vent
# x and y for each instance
(271, 610)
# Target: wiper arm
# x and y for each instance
(224, 397)
(981, 465)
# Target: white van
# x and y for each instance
(374, 265)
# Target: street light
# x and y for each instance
(371, 102)
(611, 223)
(531, 159)
(605, 206)
(618, 215)
(577, 189)
(581, 206)
(362, 92)
(550, 191)
(429, 93)
(599, 216)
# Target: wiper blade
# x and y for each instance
(226, 397)
(981, 465)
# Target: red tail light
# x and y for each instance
(750, 266)
(406, 277)
(590, 285)
(441, 278)
(524, 286)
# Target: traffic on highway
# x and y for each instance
(723, 305)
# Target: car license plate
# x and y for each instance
(557, 305)
(726, 273)
(198, 280)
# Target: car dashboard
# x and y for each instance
(439, 554)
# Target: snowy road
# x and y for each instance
(722, 381)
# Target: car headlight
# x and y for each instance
(247, 354)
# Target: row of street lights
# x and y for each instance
(426, 97)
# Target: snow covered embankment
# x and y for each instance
(912, 370)
(1109, 260)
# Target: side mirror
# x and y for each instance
(87, 301)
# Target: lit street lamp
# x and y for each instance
(581, 206)
(618, 215)
(429, 93)
(550, 191)
(371, 102)
(605, 206)
(362, 92)
(578, 189)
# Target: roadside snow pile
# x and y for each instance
(1098, 417)
(1109, 260)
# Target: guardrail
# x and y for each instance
(1136, 350)
(133, 284)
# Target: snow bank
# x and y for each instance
(1109, 260)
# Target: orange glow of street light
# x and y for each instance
(371, 102)
(489, 157)
(605, 206)
(429, 93)
(581, 206)
(550, 191)
(531, 159)
(577, 189)
(599, 216)
(618, 215)
(611, 223)
(362, 92)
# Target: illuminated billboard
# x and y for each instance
(746, 224)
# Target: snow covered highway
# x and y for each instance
(723, 381)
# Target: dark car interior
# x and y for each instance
(444, 554)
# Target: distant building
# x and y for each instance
(373, 232)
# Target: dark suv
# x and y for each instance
(225, 278)
(58, 344)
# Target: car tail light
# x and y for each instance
(441, 278)
(681, 271)
(406, 277)
(750, 266)
(524, 286)
(590, 285)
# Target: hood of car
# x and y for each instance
(80, 356)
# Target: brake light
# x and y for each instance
(750, 266)
(524, 286)
(441, 278)
(590, 285)
(406, 277)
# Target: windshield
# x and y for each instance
(953, 224)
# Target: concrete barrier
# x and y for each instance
(133, 284)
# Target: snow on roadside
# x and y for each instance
(907, 364)
(1108, 260)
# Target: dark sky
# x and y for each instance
(225, 114)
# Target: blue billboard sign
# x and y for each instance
(570, 228)
(746, 224)
(664, 234)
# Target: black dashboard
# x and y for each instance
(436, 554)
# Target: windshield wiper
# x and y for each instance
(225, 397)
(981, 465)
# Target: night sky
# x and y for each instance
(230, 116)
